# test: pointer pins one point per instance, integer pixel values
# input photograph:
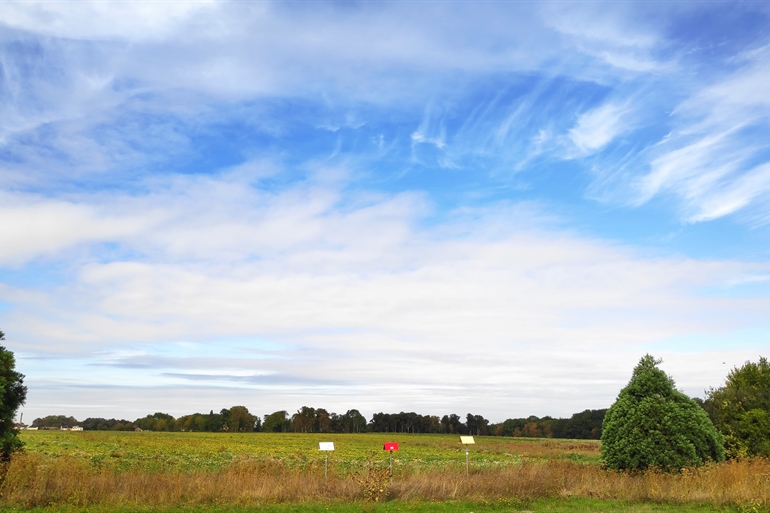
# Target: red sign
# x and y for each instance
(390, 446)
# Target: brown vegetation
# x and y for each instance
(32, 480)
(549, 448)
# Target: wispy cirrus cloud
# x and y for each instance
(619, 38)
(596, 128)
(715, 160)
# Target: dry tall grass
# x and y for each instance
(33, 480)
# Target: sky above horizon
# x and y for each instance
(431, 206)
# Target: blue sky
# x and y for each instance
(495, 207)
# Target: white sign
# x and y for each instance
(467, 440)
(325, 446)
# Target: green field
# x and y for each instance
(213, 451)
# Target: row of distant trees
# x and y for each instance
(586, 424)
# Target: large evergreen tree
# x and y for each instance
(653, 425)
(13, 393)
(741, 410)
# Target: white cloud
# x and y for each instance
(134, 21)
(620, 38)
(713, 162)
(366, 308)
(232, 50)
(428, 133)
(598, 127)
(32, 226)
(743, 191)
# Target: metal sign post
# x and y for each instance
(390, 446)
(326, 447)
(467, 440)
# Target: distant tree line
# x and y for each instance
(55, 421)
(586, 424)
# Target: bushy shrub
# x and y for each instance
(741, 410)
(653, 425)
(13, 393)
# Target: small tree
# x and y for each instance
(653, 425)
(741, 410)
(13, 393)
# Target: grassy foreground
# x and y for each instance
(195, 472)
(538, 506)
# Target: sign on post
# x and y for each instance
(390, 446)
(467, 440)
(326, 447)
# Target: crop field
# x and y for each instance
(185, 452)
(195, 472)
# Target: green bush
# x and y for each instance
(13, 393)
(653, 425)
(741, 410)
